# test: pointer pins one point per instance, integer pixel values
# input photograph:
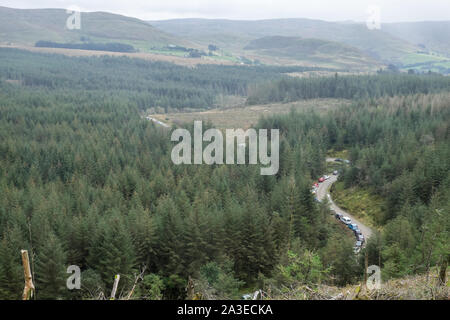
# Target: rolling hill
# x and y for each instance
(311, 51)
(378, 44)
(27, 26)
(398, 43)
(422, 46)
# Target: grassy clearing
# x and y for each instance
(360, 202)
(414, 58)
(248, 116)
(190, 62)
(343, 154)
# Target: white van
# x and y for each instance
(346, 220)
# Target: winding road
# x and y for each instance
(323, 191)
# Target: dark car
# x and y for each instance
(338, 160)
(357, 232)
(338, 216)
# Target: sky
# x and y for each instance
(330, 10)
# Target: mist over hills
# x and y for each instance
(419, 45)
(398, 43)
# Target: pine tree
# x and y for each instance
(11, 270)
(51, 269)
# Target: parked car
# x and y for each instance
(361, 238)
(326, 177)
(338, 216)
(353, 226)
(338, 160)
(358, 244)
(335, 172)
(357, 232)
(346, 220)
(356, 250)
(321, 179)
(347, 161)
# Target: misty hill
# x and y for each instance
(430, 35)
(235, 34)
(314, 51)
(27, 26)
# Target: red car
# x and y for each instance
(321, 179)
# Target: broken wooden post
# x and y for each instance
(28, 291)
(190, 289)
(114, 289)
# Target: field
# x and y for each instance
(245, 117)
(141, 55)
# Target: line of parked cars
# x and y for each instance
(354, 227)
(346, 220)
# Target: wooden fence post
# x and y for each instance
(114, 289)
(28, 291)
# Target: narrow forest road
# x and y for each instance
(158, 122)
(323, 192)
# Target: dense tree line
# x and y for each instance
(113, 46)
(348, 87)
(143, 83)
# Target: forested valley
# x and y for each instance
(85, 180)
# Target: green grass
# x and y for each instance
(343, 154)
(360, 202)
(248, 116)
(331, 166)
(414, 58)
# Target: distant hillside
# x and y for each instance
(429, 35)
(314, 51)
(26, 27)
(234, 34)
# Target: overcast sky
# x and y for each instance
(331, 10)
